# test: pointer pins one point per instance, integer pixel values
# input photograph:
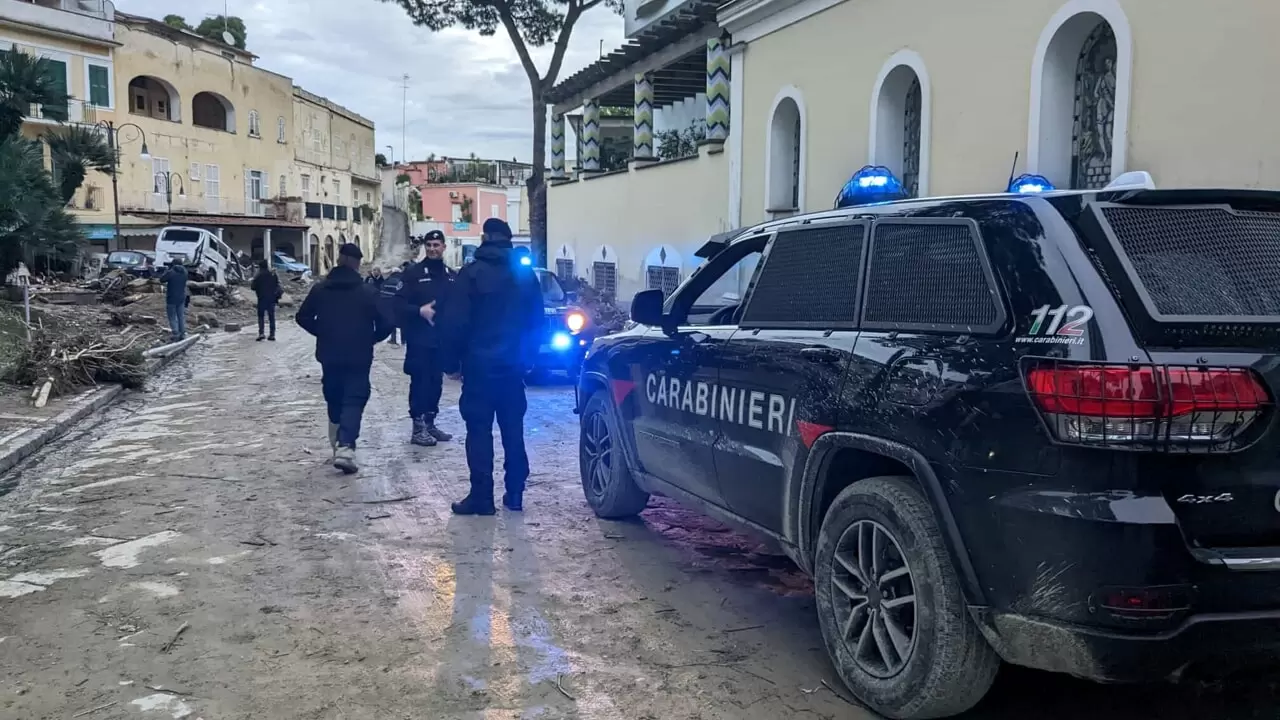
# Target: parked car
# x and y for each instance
(280, 261)
(140, 263)
(568, 331)
(1032, 428)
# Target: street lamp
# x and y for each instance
(113, 142)
(168, 178)
(392, 156)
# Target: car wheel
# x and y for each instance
(610, 489)
(891, 607)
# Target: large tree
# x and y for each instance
(527, 23)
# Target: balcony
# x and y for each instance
(93, 19)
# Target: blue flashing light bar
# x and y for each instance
(1029, 184)
(561, 341)
(526, 261)
(871, 184)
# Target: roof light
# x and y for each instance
(526, 261)
(871, 184)
(1031, 184)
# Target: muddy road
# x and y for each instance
(191, 554)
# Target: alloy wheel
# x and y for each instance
(874, 599)
(598, 447)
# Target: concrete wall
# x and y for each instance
(628, 217)
(1195, 118)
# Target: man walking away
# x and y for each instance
(346, 319)
(266, 285)
(388, 289)
(175, 298)
(491, 324)
(423, 292)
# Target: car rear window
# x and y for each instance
(930, 275)
(809, 277)
(182, 236)
(1197, 262)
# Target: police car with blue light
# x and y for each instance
(1034, 426)
(568, 332)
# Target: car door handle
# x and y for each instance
(822, 354)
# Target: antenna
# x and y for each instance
(1012, 169)
(227, 37)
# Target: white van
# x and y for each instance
(206, 257)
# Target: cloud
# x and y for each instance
(467, 93)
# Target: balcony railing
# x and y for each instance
(87, 18)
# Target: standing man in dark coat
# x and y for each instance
(388, 289)
(174, 279)
(491, 326)
(266, 285)
(424, 288)
(347, 320)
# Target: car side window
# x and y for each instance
(713, 295)
(930, 275)
(809, 277)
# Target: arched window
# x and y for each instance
(153, 97)
(662, 270)
(1080, 87)
(280, 128)
(785, 162)
(255, 127)
(900, 109)
(313, 252)
(330, 252)
(213, 111)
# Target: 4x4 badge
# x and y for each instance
(1065, 325)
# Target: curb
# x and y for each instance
(26, 444)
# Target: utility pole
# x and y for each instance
(404, 122)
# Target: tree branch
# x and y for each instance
(562, 42)
(508, 22)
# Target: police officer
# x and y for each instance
(344, 315)
(491, 324)
(424, 287)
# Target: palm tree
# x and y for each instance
(76, 150)
(26, 80)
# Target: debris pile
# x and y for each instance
(64, 358)
(604, 310)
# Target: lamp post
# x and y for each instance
(392, 156)
(113, 142)
(168, 178)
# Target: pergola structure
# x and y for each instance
(672, 60)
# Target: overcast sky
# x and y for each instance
(467, 94)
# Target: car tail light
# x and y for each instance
(1131, 404)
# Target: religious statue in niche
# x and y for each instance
(1095, 110)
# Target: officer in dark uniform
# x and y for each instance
(344, 315)
(424, 287)
(491, 325)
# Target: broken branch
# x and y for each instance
(169, 645)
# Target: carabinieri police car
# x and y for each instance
(1036, 426)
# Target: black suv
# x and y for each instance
(1037, 429)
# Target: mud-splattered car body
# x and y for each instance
(1079, 386)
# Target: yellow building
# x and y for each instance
(794, 96)
(206, 137)
(333, 178)
(77, 38)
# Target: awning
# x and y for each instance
(211, 220)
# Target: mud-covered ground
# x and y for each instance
(189, 553)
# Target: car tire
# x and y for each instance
(933, 660)
(609, 486)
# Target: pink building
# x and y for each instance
(463, 207)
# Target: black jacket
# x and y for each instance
(493, 320)
(266, 285)
(423, 283)
(376, 282)
(346, 318)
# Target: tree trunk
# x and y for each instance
(537, 181)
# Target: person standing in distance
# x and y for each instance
(347, 320)
(424, 289)
(388, 289)
(266, 285)
(175, 298)
(491, 325)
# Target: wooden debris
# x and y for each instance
(169, 645)
(90, 711)
(562, 690)
(402, 498)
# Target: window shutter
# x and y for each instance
(57, 74)
(248, 193)
(99, 86)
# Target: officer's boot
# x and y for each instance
(420, 434)
(435, 432)
(344, 458)
(479, 501)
